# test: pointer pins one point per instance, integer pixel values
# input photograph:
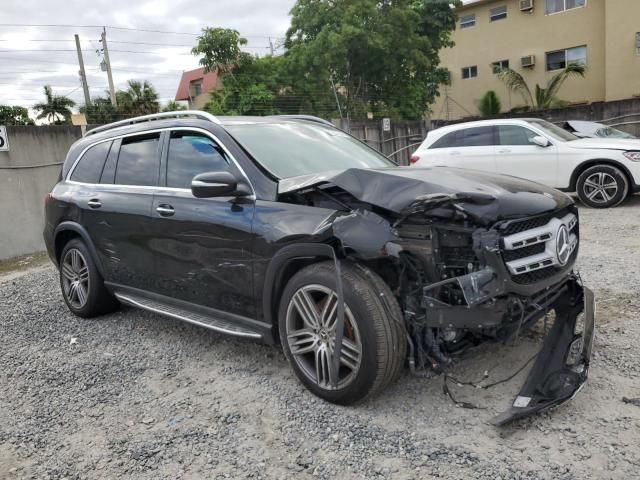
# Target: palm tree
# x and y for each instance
(489, 104)
(140, 98)
(542, 98)
(57, 108)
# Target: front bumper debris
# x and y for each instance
(561, 367)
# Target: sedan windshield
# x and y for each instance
(290, 149)
(553, 130)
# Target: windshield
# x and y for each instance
(553, 130)
(612, 133)
(290, 149)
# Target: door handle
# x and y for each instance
(165, 210)
(94, 203)
(504, 150)
(454, 153)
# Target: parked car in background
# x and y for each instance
(288, 230)
(583, 129)
(602, 171)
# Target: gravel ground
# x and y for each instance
(135, 395)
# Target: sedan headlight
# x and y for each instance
(633, 156)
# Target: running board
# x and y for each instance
(187, 316)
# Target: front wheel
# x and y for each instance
(374, 339)
(602, 186)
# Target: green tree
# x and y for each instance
(173, 106)
(381, 55)
(14, 115)
(100, 111)
(140, 98)
(220, 49)
(56, 109)
(542, 97)
(489, 105)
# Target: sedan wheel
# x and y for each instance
(311, 320)
(600, 187)
(75, 278)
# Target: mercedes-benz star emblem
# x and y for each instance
(563, 249)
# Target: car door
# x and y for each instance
(118, 209)
(517, 155)
(202, 246)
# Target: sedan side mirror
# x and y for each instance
(217, 184)
(541, 141)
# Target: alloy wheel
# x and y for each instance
(600, 187)
(75, 278)
(310, 330)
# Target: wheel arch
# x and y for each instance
(67, 231)
(599, 161)
(286, 262)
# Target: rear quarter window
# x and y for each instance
(89, 168)
(139, 161)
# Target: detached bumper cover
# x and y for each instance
(561, 367)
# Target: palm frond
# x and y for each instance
(516, 83)
(572, 70)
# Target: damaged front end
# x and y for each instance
(469, 268)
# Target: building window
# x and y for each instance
(638, 43)
(467, 21)
(555, 6)
(499, 65)
(470, 72)
(196, 88)
(498, 13)
(561, 58)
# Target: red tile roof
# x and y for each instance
(209, 82)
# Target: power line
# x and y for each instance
(131, 29)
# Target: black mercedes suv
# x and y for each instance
(290, 231)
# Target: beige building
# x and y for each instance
(537, 38)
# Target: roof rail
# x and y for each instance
(309, 118)
(156, 116)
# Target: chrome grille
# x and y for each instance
(537, 253)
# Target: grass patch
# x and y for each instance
(23, 262)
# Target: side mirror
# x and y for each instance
(541, 141)
(216, 184)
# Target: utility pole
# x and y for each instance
(271, 46)
(83, 75)
(107, 62)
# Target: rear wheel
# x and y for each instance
(374, 340)
(82, 285)
(602, 186)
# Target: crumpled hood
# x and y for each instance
(396, 188)
(606, 143)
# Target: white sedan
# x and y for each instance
(602, 171)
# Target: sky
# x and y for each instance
(37, 45)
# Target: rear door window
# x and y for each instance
(447, 141)
(478, 137)
(515, 135)
(89, 168)
(190, 154)
(139, 161)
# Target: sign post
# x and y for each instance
(4, 139)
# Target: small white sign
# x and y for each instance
(4, 139)
(386, 124)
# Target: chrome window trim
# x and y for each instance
(158, 187)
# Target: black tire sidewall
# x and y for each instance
(366, 376)
(95, 304)
(616, 173)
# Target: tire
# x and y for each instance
(89, 297)
(373, 323)
(592, 186)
